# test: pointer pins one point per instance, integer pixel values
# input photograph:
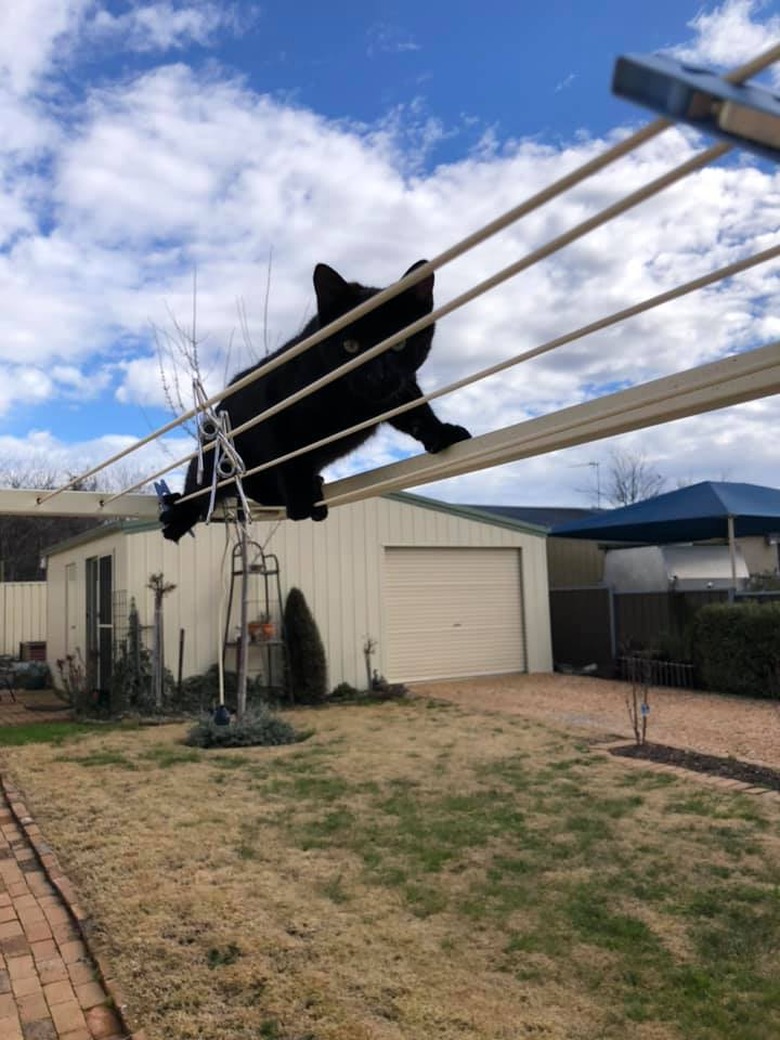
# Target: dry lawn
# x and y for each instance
(418, 870)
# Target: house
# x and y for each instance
(444, 591)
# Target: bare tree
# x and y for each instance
(630, 478)
(178, 355)
(25, 539)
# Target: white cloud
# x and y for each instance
(163, 26)
(39, 36)
(731, 33)
(23, 385)
(31, 33)
(565, 83)
(40, 453)
(385, 38)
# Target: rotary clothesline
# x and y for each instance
(475, 451)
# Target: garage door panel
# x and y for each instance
(453, 612)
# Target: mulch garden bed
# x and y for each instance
(728, 768)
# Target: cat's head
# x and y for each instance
(383, 377)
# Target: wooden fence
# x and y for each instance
(594, 625)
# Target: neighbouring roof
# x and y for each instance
(541, 516)
(474, 513)
(691, 514)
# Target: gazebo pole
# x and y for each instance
(732, 553)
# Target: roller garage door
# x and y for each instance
(453, 612)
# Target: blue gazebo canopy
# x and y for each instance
(691, 514)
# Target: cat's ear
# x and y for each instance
(331, 289)
(423, 290)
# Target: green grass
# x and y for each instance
(101, 757)
(650, 898)
(43, 733)
(167, 755)
(512, 824)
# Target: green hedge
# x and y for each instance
(737, 648)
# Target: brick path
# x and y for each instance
(14, 713)
(50, 987)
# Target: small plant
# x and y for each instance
(380, 690)
(221, 955)
(636, 699)
(73, 681)
(307, 671)
(258, 728)
(160, 588)
(369, 648)
(344, 692)
(131, 676)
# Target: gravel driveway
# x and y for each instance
(713, 723)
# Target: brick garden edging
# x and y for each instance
(67, 894)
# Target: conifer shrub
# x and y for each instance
(307, 668)
(737, 648)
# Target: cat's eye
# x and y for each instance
(399, 346)
(351, 346)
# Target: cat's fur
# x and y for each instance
(382, 383)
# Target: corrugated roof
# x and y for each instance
(541, 516)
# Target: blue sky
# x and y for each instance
(147, 139)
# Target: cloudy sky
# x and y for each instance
(146, 141)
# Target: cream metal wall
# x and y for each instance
(574, 562)
(338, 564)
(66, 600)
(22, 614)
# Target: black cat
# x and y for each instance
(382, 383)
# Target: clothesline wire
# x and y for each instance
(569, 180)
(696, 162)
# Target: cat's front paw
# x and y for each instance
(445, 435)
(299, 510)
(305, 510)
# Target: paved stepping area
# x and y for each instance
(31, 706)
(51, 988)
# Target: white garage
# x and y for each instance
(453, 612)
(442, 591)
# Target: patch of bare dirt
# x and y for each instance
(708, 723)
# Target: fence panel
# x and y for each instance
(22, 614)
(581, 623)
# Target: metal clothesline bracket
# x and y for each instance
(226, 463)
